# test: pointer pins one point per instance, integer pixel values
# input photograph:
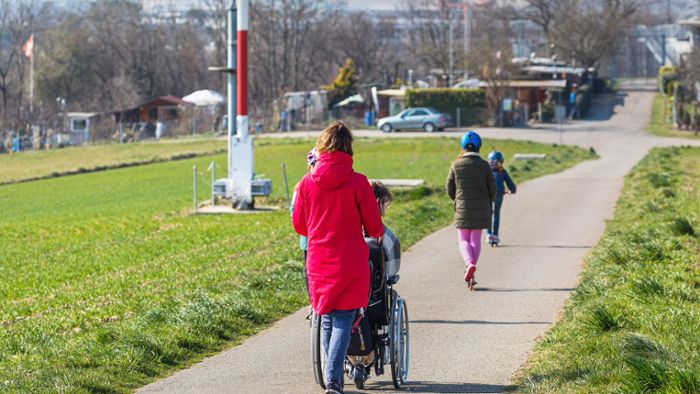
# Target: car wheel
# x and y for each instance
(429, 127)
(386, 127)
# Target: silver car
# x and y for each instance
(426, 118)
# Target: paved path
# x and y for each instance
(461, 341)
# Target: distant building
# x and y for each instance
(164, 109)
(79, 128)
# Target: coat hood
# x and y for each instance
(332, 169)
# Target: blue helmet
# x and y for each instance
(471, 140)
(496, 156)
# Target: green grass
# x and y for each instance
(108, 283)
(659, 126)
(633, 323)
(32, 165)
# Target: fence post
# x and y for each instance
(286, 185)
(459, 117)
(194, 173)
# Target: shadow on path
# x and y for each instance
(435, 387)
(518, 290)
(603, 106)
(547, 246)
(478, 322)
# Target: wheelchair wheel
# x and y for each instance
(399, 341)
(317, 356)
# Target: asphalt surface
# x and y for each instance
(462, 341)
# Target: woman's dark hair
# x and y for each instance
(336, 136)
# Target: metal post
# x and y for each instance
(213, 180)
(459, 117)
(561, 132)
(450, 52)
(242, 70)
(663, 49)
(467, 28)
(232, 93)
(286, 185)
(194, 177)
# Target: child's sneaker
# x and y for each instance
(495, 240)
(489, 238)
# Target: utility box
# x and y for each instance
(222, 187)
(261, 187)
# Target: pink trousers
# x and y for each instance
(469, 245)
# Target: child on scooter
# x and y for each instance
(504, 185)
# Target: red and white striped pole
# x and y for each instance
(242, 70)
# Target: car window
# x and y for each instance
(433, 110)
(420, 112)
(409, 112)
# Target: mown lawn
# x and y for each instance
(633, 324)
(659, 126)
(108, 282)
(43, 164)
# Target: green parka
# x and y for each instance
(470, 184)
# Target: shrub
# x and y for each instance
(471, 102)
(602, 319)
(547, 112)
(682, 226)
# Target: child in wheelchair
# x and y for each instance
(367, 345)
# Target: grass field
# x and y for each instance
(658, 125)
(633, 324)
(43, 164)
(109, 283)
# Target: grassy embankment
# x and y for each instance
(659, 126)
(633, 324)
(33, 165)
(109, 283)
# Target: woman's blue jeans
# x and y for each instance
(336, 328)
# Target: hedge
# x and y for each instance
(471, 102)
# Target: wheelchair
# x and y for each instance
(386, 318)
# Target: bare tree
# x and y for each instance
(587, 30)
(370, 43)
(429, 35)
(591, 30)
(18, 21)
(542, 13)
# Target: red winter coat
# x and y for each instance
(334, 203)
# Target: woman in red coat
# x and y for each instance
(334, 207)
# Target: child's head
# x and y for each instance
(383, 196)
(471, 142)
(496, 159)
(311, 158)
